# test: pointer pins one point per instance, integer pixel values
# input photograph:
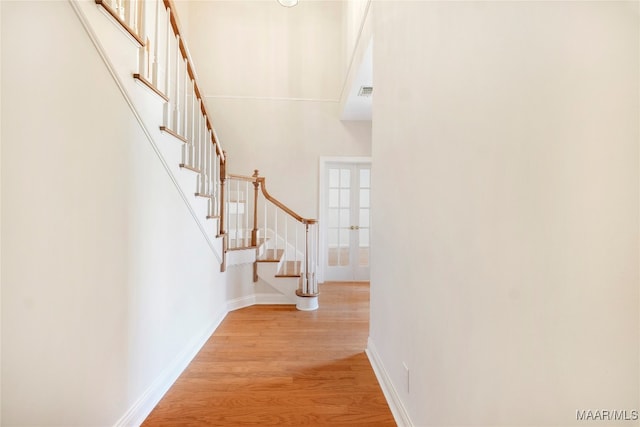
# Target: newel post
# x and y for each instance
(254, 232)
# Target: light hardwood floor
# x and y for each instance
(274, 365)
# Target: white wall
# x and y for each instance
(106, 277)
(354, 15)
(505, 228)
(360, 61)
(284, 141)
(261, 49)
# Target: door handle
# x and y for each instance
(354, 227)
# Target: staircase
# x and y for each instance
(281, 244)
(241, 220)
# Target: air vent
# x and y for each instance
(365, 91)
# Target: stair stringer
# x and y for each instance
(241, 256)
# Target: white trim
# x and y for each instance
(279, 299)
(258, 299)
(75, 4)
(271, 98)
(152, 395)
(242, 302)
(398, 410)
(324, 160)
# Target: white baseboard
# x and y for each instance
(273, 299)
(238, 303)
(258, 299)
(150, 398)
(393, 399)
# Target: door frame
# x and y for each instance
(324, 161)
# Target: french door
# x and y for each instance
(347, 219)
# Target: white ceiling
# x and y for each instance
(359, 107)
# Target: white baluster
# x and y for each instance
(309, 272)
(216, 179)
(212, 165)
(295, 248)
(315, 258)
(167, 66)
(204, 153)
(189, 131)
(193, 124)
(139, 26)
(200, 152)
(275, 230)
(120, 9)
(237, 209)
(195, 120)
(156, 43)
(185, 95)
(286, 237)
(305, 261)
(204, 150)
(227, 208)
(143, 58)
(132, 17)
(246, 208)
(214, 169)
(176, 92)
(207, 147)
(168, 89)
(265, 219)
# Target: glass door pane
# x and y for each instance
(364, 214)
(347, 221)
(338, 218)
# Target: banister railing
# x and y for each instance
(254, 221)
(157, 30)
(165, 67)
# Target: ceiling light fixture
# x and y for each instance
(288, 3)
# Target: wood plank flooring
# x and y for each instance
(275, 365)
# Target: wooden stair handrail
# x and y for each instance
(281, 205)
(175, 24)
(261, 180)
(242, 177)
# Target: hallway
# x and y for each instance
(274, 365)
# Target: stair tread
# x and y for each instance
(208, 196)
(271, 255)
(290, 269)
(240, 244)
